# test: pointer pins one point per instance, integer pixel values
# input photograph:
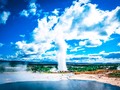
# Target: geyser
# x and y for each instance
(61, 54)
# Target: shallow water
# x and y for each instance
(58, 85)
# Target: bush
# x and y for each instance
(39, 68)
(13, 64)
(2, 69)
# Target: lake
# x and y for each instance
(58, 85)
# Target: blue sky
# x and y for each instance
(81, 30)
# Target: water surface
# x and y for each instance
(58, 85)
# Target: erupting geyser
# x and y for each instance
(61, 54)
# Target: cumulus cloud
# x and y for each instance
(118, 44)
(94, 15)
(24, 13)
(56, 12)
(42, 41)
(81, 21)
(27, 48)
(4, 17)
(32, 9)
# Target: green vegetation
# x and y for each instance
(2, 69)
(39, 68)
(13, 64)
(82, 68)
(74, 68)
(114, 74)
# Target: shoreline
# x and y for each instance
(98, 78)
(9, 77)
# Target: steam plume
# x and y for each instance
(61, 54)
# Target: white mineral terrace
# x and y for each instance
(8, 77)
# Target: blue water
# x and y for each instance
(58, 85)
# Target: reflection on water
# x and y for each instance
(58, 85)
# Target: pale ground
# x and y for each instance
(97, 77)
(8, 77)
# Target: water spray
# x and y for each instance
(61, 53)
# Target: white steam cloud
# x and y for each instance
(4, 17)
(61, 54)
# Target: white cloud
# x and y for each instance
(4, 17)
(90, 43)
(28, 48)
(70, 56)
(1, 44)
(84, 22)
(118, 44)
(76, 27)
(75, 49)
(102, 60)
(94, 16)
(32, 9)
(22, 35)
(107, 53)
(102, 52)
(24, 13)
(92, 58)
(56, 12)
(50, 55)
(117, 30)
